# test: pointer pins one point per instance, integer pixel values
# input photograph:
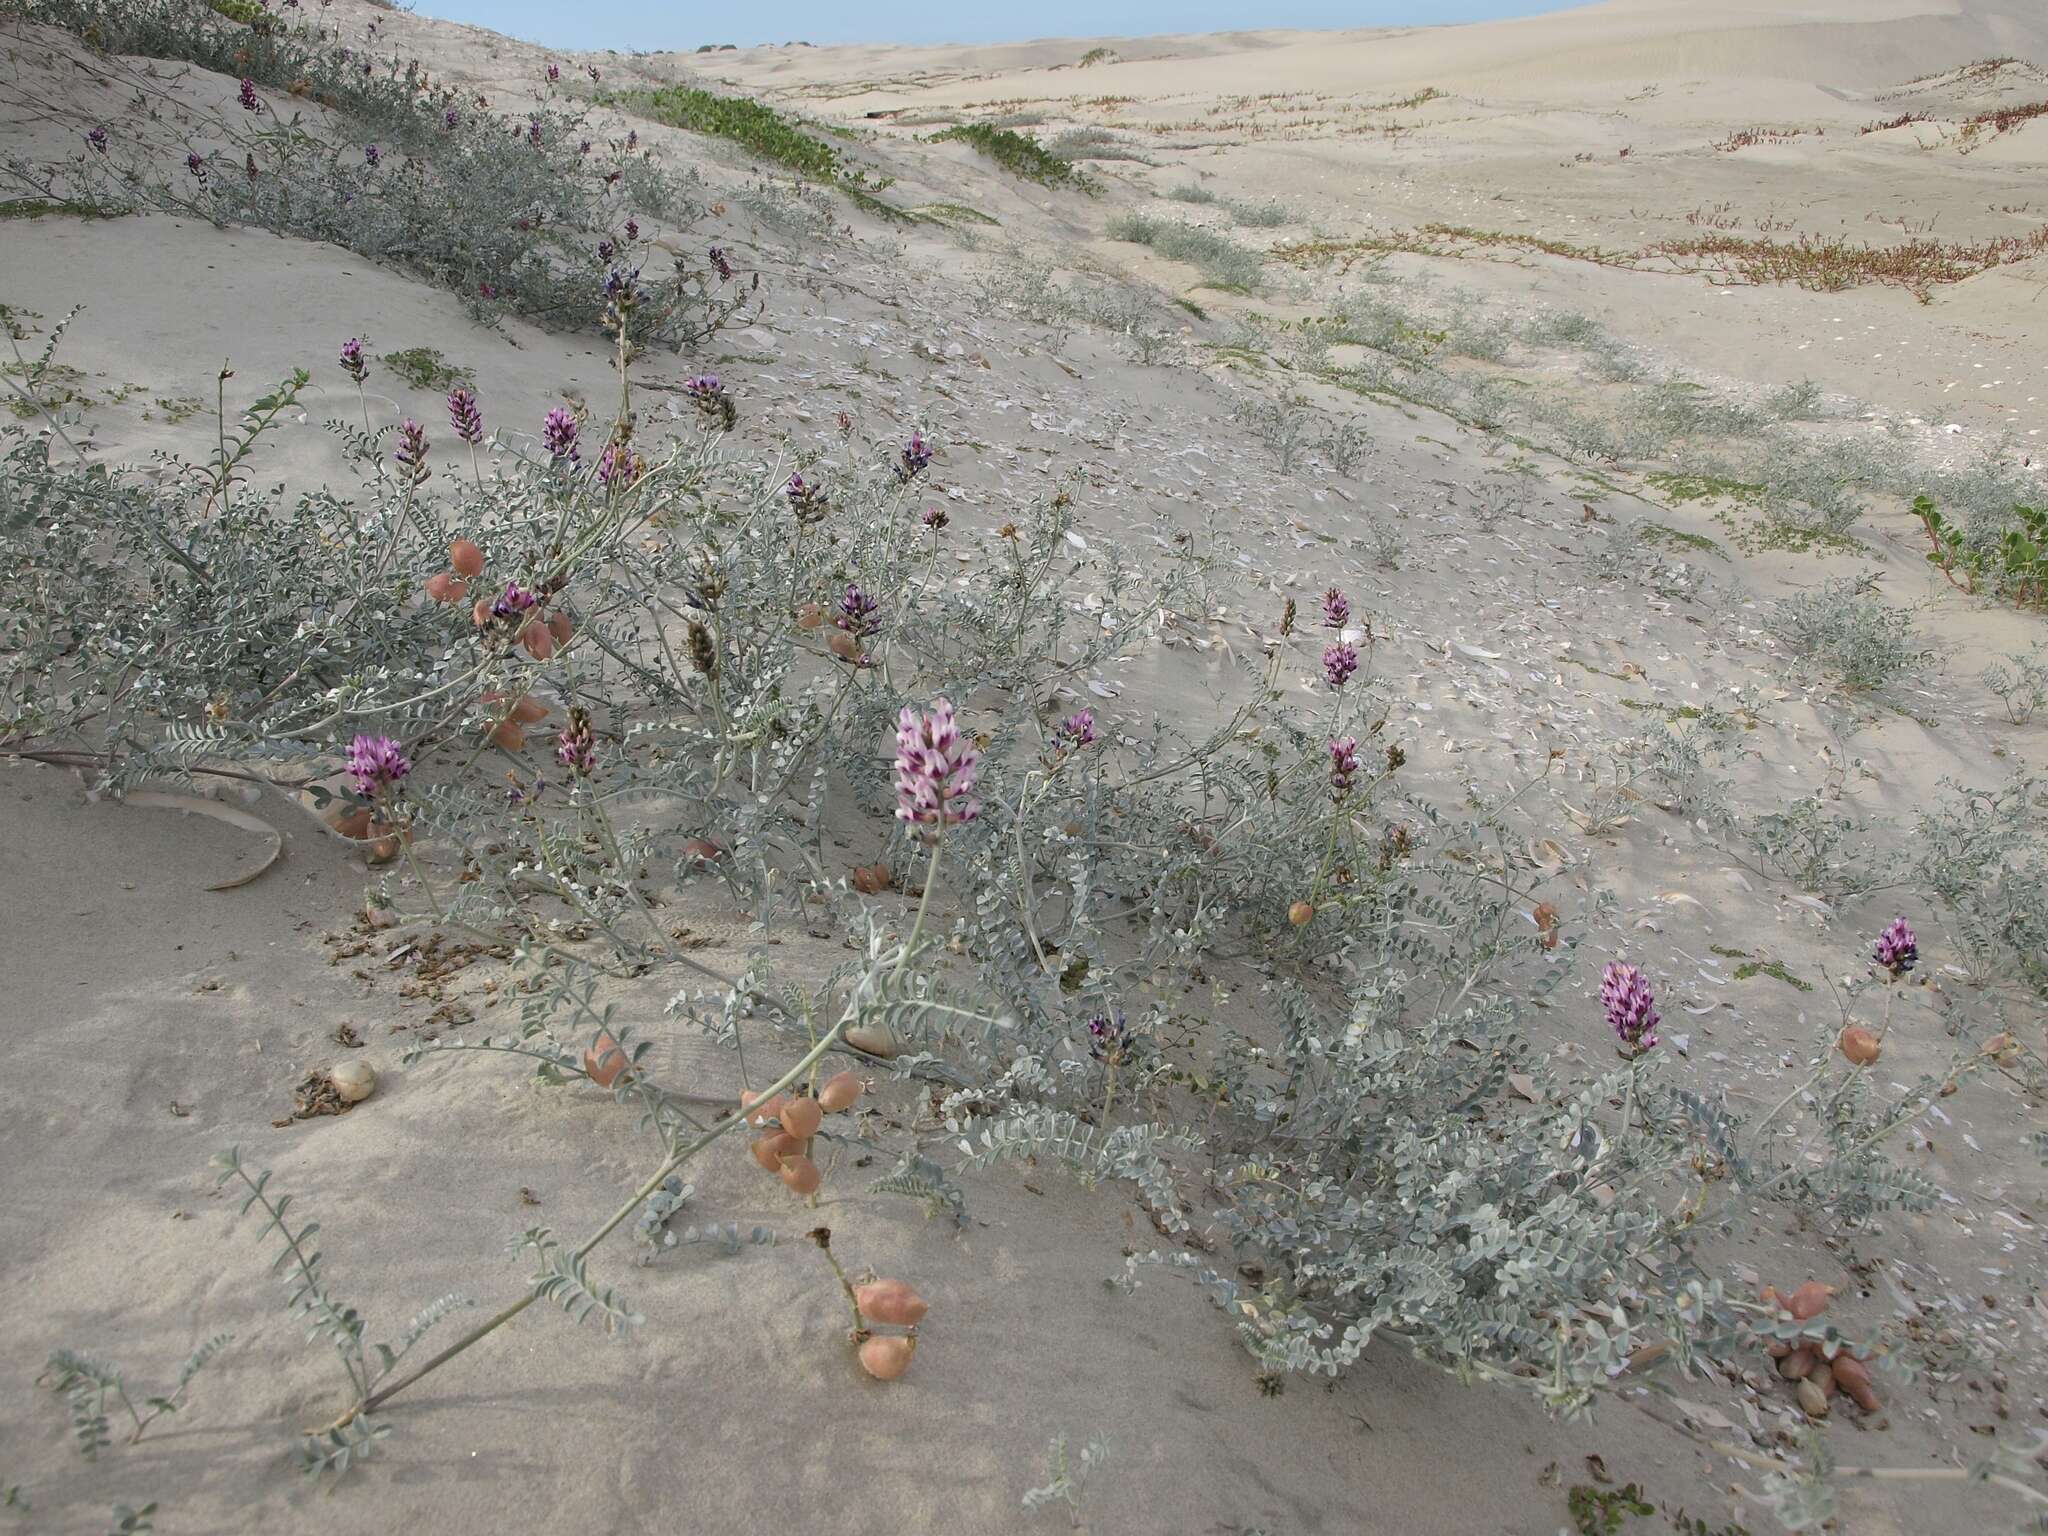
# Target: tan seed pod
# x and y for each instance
(887, 1357)
(1813, 1400)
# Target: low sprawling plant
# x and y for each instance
(1855, 637)
(685, 668)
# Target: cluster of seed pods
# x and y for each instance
(1815, 1378)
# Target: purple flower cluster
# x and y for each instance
(372, 156)
(554, 73)
(935, 769)
(705, 388)
(720, 264)
(514, 600)
(619, 467)
(1631, 1009)
(935, 518)
(1339, 662)
(1336, 609)
(251, 102)
(98, 139)
(376, 764)
(196, 166)
(807, 500)
(411, 452)
(558, 436)
(533, 132)
(576, 747)
(1898, 951)
(464, 416)
(621, 295)
(632, 230)
(1343, 765)
(1076, 731)
(605, 250)
(352, 362)
(450, 118)
(916, 458)
(857, 613)
(1111, 1040)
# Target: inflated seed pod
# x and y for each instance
(759, 1110)
(1809, 1301)
(885, 1357)
(1798, 1365)
(802, 1117)
(1859, 1045)
(1301, 914)
(801, 1174)
(539, 640)
(770, 1150)
(447, 587)
(605, 1060)
(1813, 1400)
(839, 1093)
(353, 1081)
(466, 557)
(890, 1301)
(1853, 1377)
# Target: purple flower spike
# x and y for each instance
(554, 73)
(917, 456)
(1111, 1039)
(1339, 662)
(98, 140)
(251, 102)
(721, 264)
(1897, 949)
(515, 599)
(632, 138)
(935, 769)
(464, 417)
(632, 229)
(196, 166)
(411, 452)
(352, 362)
(372, 155)
(619, 466)
(558, 434)
(604, 250)
(533, 132)
(450, 118)
(576, 747)
(1343, 765)
(1077, 730)
(376, 763)
(857, 613)
(1336, 609)
(1631, 1010)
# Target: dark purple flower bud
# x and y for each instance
(372, 155)
(583, 148)
(917, 455)
(196, 165)
(411, 452)
(251, 102)
(1898, 951)
(858, 613)
(1343, 765)
(1336, 609)
(806, 499)
(593, 72)
(554, 73)
(632, 138)
(720, 264)
(533, 132)
(450, 118)
(352, 359)
(1631, 1009)
(515, 599)
(558, 435)
(376, 763)
(464, 416)
(620, 467)
(1339, 662)
(576, 747)
(98, 140)
(632, 229)
(487, 290)
(604, 250)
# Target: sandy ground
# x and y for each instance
(154, 1022)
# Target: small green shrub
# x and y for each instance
(760, 130)
(1859, 639)
(425, 368)
(2012, 565)
(1017, 154)
(1220, 260)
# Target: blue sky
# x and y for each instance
(625, 24)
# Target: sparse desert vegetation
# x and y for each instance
(666, 816)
